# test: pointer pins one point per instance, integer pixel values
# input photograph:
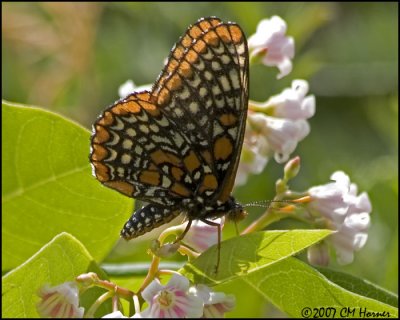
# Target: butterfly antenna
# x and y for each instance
(265, 203)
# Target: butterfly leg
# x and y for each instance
(219, 240)
(184, 232)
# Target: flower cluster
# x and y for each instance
(274, 128)
(178, 300)
(337, 206)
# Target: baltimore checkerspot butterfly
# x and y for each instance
(177, 146)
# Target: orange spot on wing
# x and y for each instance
(174, 82)
(101, 171)
(160, 156)
(185, 70)
(222, 148)
(209, 183)
(99, 152)
(121, 186)
(215, 22)
(178, 52)
(144, 96)
(147, 105)
(186, 40)
(101, 136)
(172, 65)
(191, 161)
(180, 189)
(177, 173)
(192, 56)
(200, 46)
(163, 97)
(195, 32)
(223, 33)
(107, 119)
(237, 35)
(126, 107)
(211, 38)
(228, 119)
(205, 25)
(150, 177)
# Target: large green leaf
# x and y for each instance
(250, 253)
(360, 286)
(293, 286)
(59, 261)
(47, 187)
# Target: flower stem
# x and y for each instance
(151, 274)
(97, 303)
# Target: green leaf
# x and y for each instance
(59, 261)
(360, 286)
(48, 188)
(250, 253)
(293, 285)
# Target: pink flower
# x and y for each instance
(281, 134)
(273, 45)
(292, 103)
(274, 128)
(329, 200)
(172, 300)
(61, 301)
(201, 235)
(216, 304)
(353, 233)
(342, 210)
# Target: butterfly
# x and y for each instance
(177, 146)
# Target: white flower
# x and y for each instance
(338, 204)
(282, 134)
(353, 233)
(61, 301)
(129, 87)
(330, 200)
(172, 300)
(215, 303)
(274, 128)
(292, 103)
(201, 235)
(271, 42)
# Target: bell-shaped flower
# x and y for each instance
(61, 301)
(172, 300)
(272, 45)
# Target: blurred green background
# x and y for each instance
(72, 57)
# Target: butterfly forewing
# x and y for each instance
(180, 142)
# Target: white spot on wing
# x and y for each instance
(217, 129)
(126, 158)
(127, 144)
